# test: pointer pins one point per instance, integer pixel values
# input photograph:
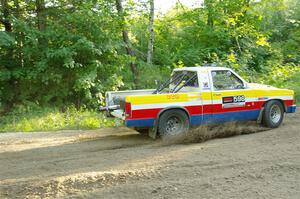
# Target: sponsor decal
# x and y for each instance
(173, 97)
(233, 101)
(227, 100)
(205, 85)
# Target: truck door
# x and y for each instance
(228, 97)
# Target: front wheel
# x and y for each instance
(173, 122)
(273, 114)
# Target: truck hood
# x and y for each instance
(261, 86)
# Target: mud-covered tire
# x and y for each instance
(273, 114)
(173, 122)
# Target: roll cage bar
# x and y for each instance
(177, 87)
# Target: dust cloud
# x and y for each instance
(209, 131)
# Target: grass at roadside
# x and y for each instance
(47, 119)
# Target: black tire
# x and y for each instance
(273, 114)
(173, 122)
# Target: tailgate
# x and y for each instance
(115, 101)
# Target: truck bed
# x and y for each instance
(115, 100)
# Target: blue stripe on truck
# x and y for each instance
(203, 119)
(225, 117)
(140, 123)
(291, 109)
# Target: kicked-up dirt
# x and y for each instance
(120, 163)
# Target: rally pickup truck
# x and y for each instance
(199, 95)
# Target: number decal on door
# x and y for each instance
(233, 101)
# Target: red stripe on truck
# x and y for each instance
(197, 110)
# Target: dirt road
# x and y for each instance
(119, 163)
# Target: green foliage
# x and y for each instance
(152, 74)
(71, 61)
(25, 119)
(293, 83)
(284, 77)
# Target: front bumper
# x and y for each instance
(291, 109)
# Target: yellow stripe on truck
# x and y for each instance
(184, 97)
(155, 99)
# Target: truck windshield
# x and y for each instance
(178, 81)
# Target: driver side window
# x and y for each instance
(226, 80)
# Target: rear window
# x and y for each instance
(181, 77)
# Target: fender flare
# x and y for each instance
(259, 119)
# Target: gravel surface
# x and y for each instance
(119, 163)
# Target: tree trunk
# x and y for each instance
(41, 21)
(208, 5)
(151, 33)
(19, 35)
(5, 19)
(129, 49)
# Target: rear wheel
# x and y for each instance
(273, 114)
(173, 122)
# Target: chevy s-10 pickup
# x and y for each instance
(199, 95)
